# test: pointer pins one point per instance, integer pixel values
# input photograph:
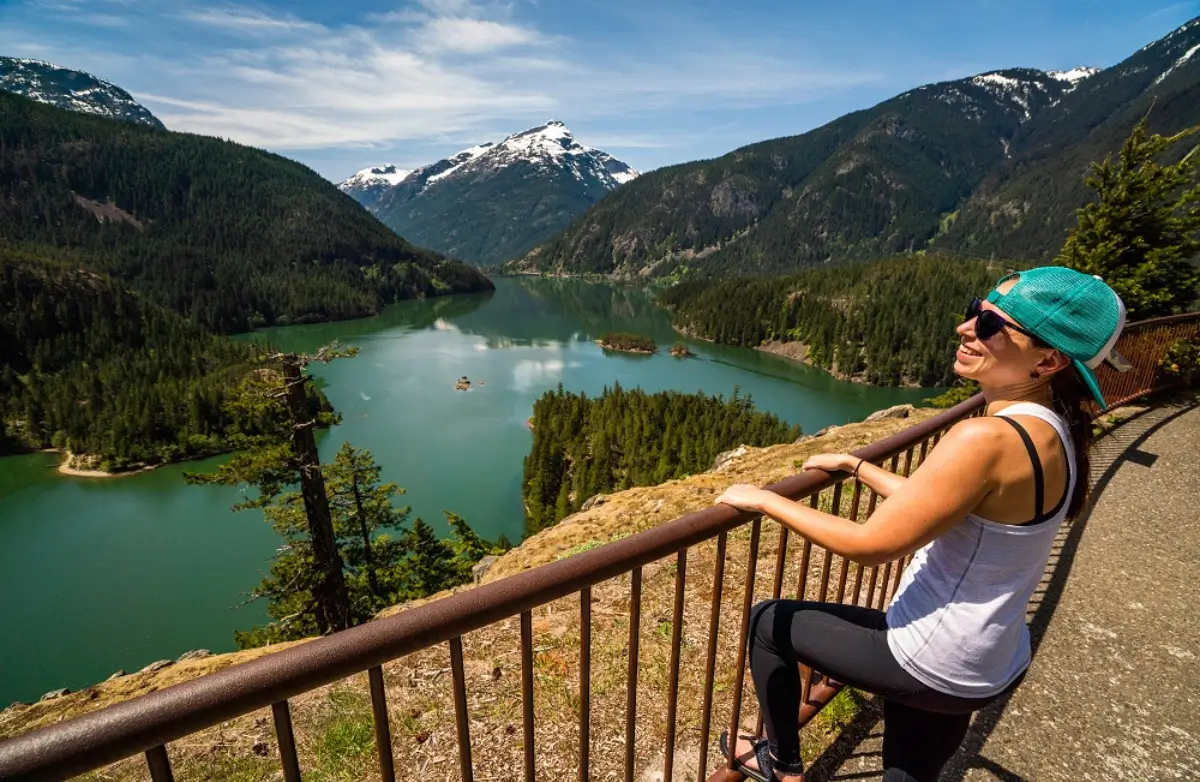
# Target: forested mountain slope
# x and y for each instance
(1025, 207)
(890, 322)
(1003, 152)
(87, 366)
(232, 237)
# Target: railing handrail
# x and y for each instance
(124, 729)
(153, 720)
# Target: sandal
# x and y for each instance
(767, 765)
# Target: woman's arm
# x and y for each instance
(954, 479)
(884, 483)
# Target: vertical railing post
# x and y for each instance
(527, 692)
(160, 764)
(585, 680)
(461, 720)
(710, 664)
(739, 665)
(383, 728)
(676, 643)
(635, 617)
(287, 741)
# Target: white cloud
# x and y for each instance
(476, 36)
(438, 69)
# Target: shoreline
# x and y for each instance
(66, 468)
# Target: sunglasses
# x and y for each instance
(989, 323)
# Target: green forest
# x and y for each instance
(889, 323)
(89, 367)
(584, 445)
(229, 236)
(621, 340)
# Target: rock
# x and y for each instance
(826, 430)
(116, 675)
(157, 666)
(55, 694)
(897, 411)
(725, 459)
(480, 568)
(593, 501)
(462, 384)
(195, 654)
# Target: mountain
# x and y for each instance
(990, 164)
(231, 237)
(72, 90)
(1026, 206)
(495, 201)
(370, 184)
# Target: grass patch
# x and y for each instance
(841, 710)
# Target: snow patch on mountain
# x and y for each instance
(387, 174)
(1186, 56)
(72, 90)
(1075, 75)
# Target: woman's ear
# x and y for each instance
(1052, 361)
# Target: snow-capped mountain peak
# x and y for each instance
(494, 201)
(387, 174)
(1075, 75)
(64, 88)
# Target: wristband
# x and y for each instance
(856, 468)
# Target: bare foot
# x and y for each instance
(744, 751)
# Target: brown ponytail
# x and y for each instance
(1073, 401)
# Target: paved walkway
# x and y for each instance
(1114, 691)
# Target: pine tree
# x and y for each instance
(1143, 233)
(362, 514)
(428, 567)
(468, 547)
(285, 454)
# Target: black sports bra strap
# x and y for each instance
(1039, 487)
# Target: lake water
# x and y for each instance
(98, 575)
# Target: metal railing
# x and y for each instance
(148, 724)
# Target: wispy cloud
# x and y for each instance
(430, 70)
(1187, 8)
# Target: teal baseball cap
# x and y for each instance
(1077, 314)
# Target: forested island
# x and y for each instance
(588, 445)
(629, 343)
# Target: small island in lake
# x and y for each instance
(680, 350)
(462, 384)
(629, 343)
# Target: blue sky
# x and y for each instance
(343, 85)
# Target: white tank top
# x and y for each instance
(957, 622)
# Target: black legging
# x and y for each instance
(922, 727)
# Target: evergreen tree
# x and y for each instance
(1142, 235)
(363, 515)
(429, 567)
(285, 454)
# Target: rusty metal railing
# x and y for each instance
(148, 724)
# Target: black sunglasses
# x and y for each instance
(989, 323)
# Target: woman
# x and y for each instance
(979, 517)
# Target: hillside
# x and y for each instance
(890, 178)
(1026, 206)
(90, 368)
(861, 322)
(72, 90)
(494, 201)
(230, 236)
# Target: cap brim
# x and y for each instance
(1089, 377)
